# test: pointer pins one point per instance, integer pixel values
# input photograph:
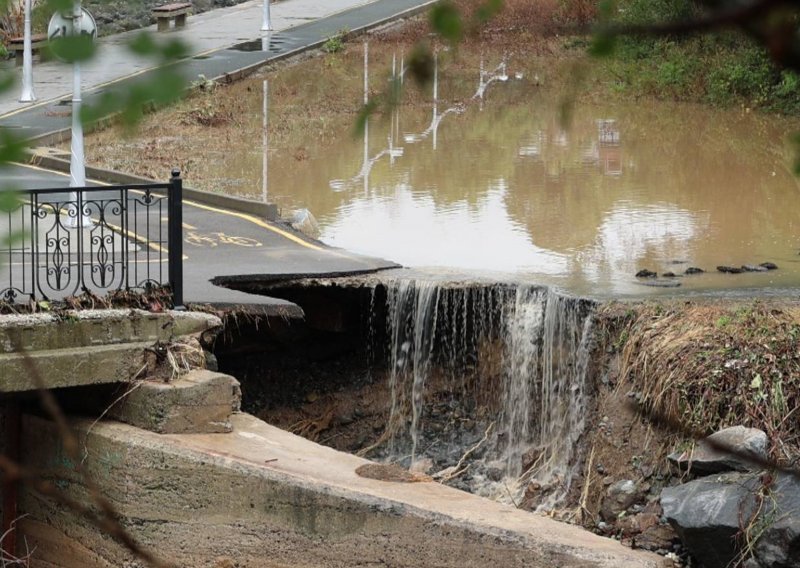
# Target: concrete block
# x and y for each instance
(40, 332)
(198, 402)
(57, 368)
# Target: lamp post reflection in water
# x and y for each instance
(392, 151)
(265, 141)
(499, 74)
(265, 44)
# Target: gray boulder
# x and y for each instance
(619, 496)
(712, 514)
(708, 456)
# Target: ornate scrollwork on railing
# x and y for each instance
(91, 239)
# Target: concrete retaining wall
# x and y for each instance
(261, 497)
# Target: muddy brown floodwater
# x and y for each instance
(487, 177)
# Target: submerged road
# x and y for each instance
(218, 241)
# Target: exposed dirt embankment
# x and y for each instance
(667, 372)
(693, 366)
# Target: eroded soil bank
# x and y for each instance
(659, 373)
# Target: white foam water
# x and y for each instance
(537, 411)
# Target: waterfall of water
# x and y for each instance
(548, 345)
(512, 357)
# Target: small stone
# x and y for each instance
(645, 273)
(668, 275)
(529, 458)
(694, 270)
(661, 283)
(619, 496)
(495, 473)
(769, 265)
(422, 465)
(656, 536)
(730, 269)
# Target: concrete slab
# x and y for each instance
(85, 328)
(261, 497)
(87, 347)
(199, 401)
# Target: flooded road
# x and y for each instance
(476, 172)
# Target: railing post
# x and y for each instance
(175, 237)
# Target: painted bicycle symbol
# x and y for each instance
(212, 240)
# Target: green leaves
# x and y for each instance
(795, 141)
(9, 200)
(363, 116)
(161, 87)
(421, 64)
(603, 44)
(73, 48)
(488, 10)
(446, 21)
(6, 81)
(12, 148)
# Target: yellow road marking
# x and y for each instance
(244, 216)
(256, 221)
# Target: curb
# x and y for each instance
(268, 211)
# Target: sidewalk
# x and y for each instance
(221, 41)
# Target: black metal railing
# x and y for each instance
(62, 242)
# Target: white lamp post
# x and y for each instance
(77, 168)
(27, 95)
(266, 25)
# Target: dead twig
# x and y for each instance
(457, 468)
(583, 509)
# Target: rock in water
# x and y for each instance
(694, 270)
(753, 268)
(709, 513)
(708, 457)
(302, 220)
(730, 269)
(644, 273)
(769, 265)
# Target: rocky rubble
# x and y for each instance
(737, 514)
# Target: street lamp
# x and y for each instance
(266, 25)
(27, 95)
(77, 168)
